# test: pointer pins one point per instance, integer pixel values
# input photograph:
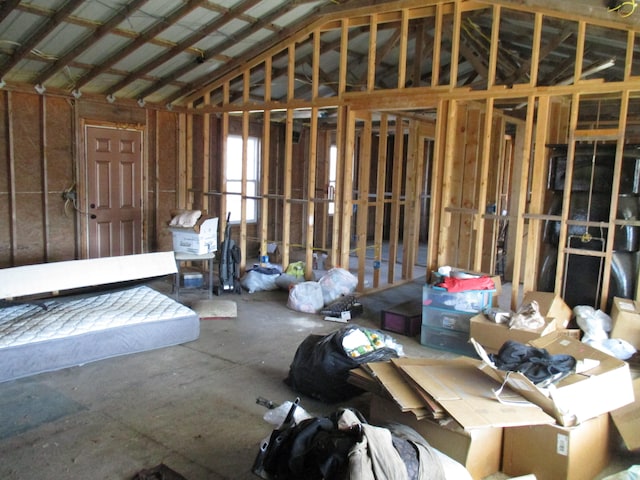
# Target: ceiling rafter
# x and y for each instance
(139, 41)
(47, 26)
(243, 33)
(126, 33)
(183, 45)
(89, 40)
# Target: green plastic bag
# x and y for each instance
(295, 269)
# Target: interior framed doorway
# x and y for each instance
(113, 190)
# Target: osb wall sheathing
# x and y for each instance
(37, 166)
(163, 173)
(38, 149)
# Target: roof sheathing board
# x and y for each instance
(247, 43)
(139, 57)
(292, 17)
(62, 39)
(102, 49)
(17, 27)
(175, 63)
(149, 14)
(189, 24)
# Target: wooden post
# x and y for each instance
(362, 203)
(396, 187)
(380, 198)
(266, 160)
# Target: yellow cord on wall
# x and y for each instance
(625, 8)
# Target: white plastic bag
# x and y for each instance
(276, 416)
(632, 473)
(616, 347)
(594, 323)
(306, 297)
(254, 281)
(336, 283)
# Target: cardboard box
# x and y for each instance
(578, 397)
(478, 449)
(492, 335)
(553, 452)
(468, 397)
(625, 316)
(273, 251)
(199, 239)
(551, 306)
(627, 420)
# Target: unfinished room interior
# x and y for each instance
(204, 204)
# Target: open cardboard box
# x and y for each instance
(579, 396)
(550, 305)
(473, 436)
(200, 239)
(478, 449)
(627, 420)
(492, 335)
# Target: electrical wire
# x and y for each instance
(625, 9)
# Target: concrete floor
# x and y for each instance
(192, 406)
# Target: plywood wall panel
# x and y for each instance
(28, 182)
(27, 142)
(166, 145)
(59, 157)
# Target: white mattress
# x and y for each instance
(59, 333)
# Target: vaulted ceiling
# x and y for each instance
(159, 52)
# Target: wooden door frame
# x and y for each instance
(82, 180)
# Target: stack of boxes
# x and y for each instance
(446, 317)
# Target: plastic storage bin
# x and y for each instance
(447, 319)
(405, 318)
(449, 340)
(468, 301)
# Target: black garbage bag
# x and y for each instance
(321, 365)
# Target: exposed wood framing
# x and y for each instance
(523, 158)
(475, 164)
(362, 201)
(536, 204)
(396, 198)
(613, 210)
(266, 164)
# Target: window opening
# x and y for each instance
(234, 178)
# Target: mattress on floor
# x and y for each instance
(59, 333)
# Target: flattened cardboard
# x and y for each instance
(607, 386)
(492, 335)
(550, 306)
(392, 381)
(627, 420)
(552, 452)
(468, 396)
(478, 449)
(625, 316)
